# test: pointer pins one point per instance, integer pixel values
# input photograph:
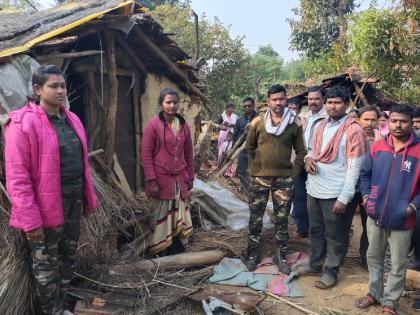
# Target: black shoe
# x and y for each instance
(252, 256)
(416, 306)
(281, 261)
(251, 263)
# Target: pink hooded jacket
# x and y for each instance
(32, 163)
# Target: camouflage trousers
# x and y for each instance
(281, 189)
(54, 257)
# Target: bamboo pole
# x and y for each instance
(154, 48)
(111, 110)
(229, 162)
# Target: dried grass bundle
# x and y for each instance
(99, 231)
(234, 242)
(16, 282)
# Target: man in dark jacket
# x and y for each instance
(390, 188)
(238, 131)
(269, 142)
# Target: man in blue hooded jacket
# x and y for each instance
(390, 188)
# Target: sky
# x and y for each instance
(261, 22)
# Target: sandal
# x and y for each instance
(307, 270)
(388, 310)
(366, 302)
(326, 281)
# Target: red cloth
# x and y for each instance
(167, 158)
(32, 162)
(355, 141)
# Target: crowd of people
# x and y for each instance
(327, 163)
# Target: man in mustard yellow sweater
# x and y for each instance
(271, 138)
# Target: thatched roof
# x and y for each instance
(20, 27)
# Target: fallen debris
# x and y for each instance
(246, 301)
(185, 260)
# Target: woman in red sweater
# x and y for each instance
(167, 159)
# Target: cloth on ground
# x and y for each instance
(232, 271)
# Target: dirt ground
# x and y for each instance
(338, 300)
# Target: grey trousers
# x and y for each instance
(329, 233)
(399, 245)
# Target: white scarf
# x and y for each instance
(232, 119)
(287, 119)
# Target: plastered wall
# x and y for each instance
(149, 101)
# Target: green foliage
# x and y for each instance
(152, 4)
(264, 68)
(226, 56)
(318, 25)
(381, 45)
(18, 4)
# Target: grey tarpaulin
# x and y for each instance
(15, 83)
(221, 205)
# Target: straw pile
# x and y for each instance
(15, 277)
(99, 231)
(114, 213)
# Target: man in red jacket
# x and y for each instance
(390, 188)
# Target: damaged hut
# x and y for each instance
(116, 59)
(363, 91)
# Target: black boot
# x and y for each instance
(252, 256)
(281, 261)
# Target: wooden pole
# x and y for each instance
(140, 65)
(111, 110)
(137, 130)
(155, 49)
(70, 55)
(184, 260)
(360, 94)
(231, 160)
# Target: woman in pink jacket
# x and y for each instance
(48, 181)
(167, 158)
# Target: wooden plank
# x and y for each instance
(137, 130)
(125, 186)
(70, 55)
(155, 49)
(111, 110)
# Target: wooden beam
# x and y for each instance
(122, 42)
(70, 55)
(97, 69)
(360, 94)
(155, 49)
(111, 109)
(57, 41)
